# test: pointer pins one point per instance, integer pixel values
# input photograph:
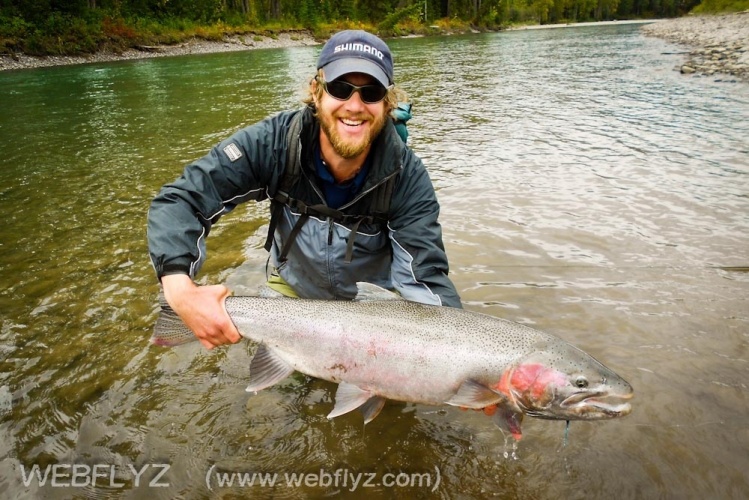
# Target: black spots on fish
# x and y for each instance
(338, 367)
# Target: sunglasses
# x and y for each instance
(342, 90)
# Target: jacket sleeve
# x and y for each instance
(419, 269)
(236, 170)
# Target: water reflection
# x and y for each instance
(587, 190)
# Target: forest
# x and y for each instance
(69, 27)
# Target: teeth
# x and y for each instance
(353, 123)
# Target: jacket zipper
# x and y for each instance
(359, 197)
(364, 193)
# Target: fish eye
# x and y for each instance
(581, 382)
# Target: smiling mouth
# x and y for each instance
(352, 123)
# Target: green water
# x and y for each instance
(587, 189)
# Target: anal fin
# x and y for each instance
(266, 369)
(372, 408)
(349, 397)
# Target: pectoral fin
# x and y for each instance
(472, 394)
(266, 369)
(349, 397)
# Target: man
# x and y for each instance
(350, 201)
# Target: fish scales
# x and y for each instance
(423, 352)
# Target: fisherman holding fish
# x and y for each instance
(350, 202)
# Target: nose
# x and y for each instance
(355, 102)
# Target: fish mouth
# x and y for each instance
(601, 404)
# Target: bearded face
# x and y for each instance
(351, 134)
(351, 125)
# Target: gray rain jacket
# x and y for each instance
(406, 255)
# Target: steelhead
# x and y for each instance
(381, 347)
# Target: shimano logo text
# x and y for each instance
(359, 47)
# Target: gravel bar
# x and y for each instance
(717, 44)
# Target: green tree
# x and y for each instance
(606, 9)
(542, 8)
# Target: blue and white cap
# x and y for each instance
(356, 51)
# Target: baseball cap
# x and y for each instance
(356, 51)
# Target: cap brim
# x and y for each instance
(338, 68)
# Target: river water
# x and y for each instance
(587, 189)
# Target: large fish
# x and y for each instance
(381, 347)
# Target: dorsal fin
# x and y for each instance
(369, 291)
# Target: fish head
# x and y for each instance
(561, 382)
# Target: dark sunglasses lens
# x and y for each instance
(343, 90)
(340, 90)
(373, 93)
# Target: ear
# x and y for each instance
(313, 88)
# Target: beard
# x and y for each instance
(351, 148)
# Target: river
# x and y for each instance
(587, 189)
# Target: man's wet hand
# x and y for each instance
(202, 309)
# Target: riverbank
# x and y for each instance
(577, 25)
(201, 46)
(194, 46)
(718, 44)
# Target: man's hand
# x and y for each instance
(202, 309)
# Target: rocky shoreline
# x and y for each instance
(194, 46)
(718, 44)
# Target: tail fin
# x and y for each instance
(169, 330)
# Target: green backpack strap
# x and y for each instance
(291, 174)
(401, 115)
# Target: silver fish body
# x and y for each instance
(379, 348)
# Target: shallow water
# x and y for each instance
(587, 189)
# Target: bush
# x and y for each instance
(62, 34)
(387, 26)
(12, 32)
(116, 29)
(14, 27)
(721, 6)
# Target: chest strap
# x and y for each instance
(305, 211)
